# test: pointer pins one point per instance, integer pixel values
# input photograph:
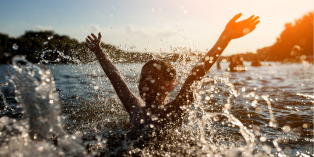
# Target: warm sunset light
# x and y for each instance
(111, 78)
(153, 26)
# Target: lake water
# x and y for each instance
(265, 111)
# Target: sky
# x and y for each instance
(153, 25)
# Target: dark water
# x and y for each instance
(274, 104)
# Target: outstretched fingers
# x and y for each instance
(90, 38)
(235, 18)
(95, 38)
(99, 35)
(250, 18)
(256, 22)
(255, 19)
(246, 21)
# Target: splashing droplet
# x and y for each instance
(305, 125)
(50, 37)
(286, 128)
(263, 138)
(15, 46)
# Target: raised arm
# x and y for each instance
(233, 30)
(127, 98)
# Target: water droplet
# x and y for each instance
(144, 49)
(219, 48)
(142, 121)
(7, 54)
(216, 118)
(154, 118)
(286, 128)
(15, 46)
(151, 125)
(305, 125)
(96, 87)
(243, 89)
(267, 149)
(254, 103)
(46, 42)
(50, 37)
(207, 98)
(263, 138)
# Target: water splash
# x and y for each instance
(36, 93)
(212, 127)
(272, 122)
(15, 46)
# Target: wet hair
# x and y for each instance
(167, 70)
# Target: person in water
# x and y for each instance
(256, 63)
(157, 80)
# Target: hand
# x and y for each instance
(93, 43)
(239, 29)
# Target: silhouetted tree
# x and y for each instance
(300, 33)
(50, 48)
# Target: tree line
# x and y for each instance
(298, 35)
(48, 47)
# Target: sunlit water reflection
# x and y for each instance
(264, 111)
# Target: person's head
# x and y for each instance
(157, 80)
